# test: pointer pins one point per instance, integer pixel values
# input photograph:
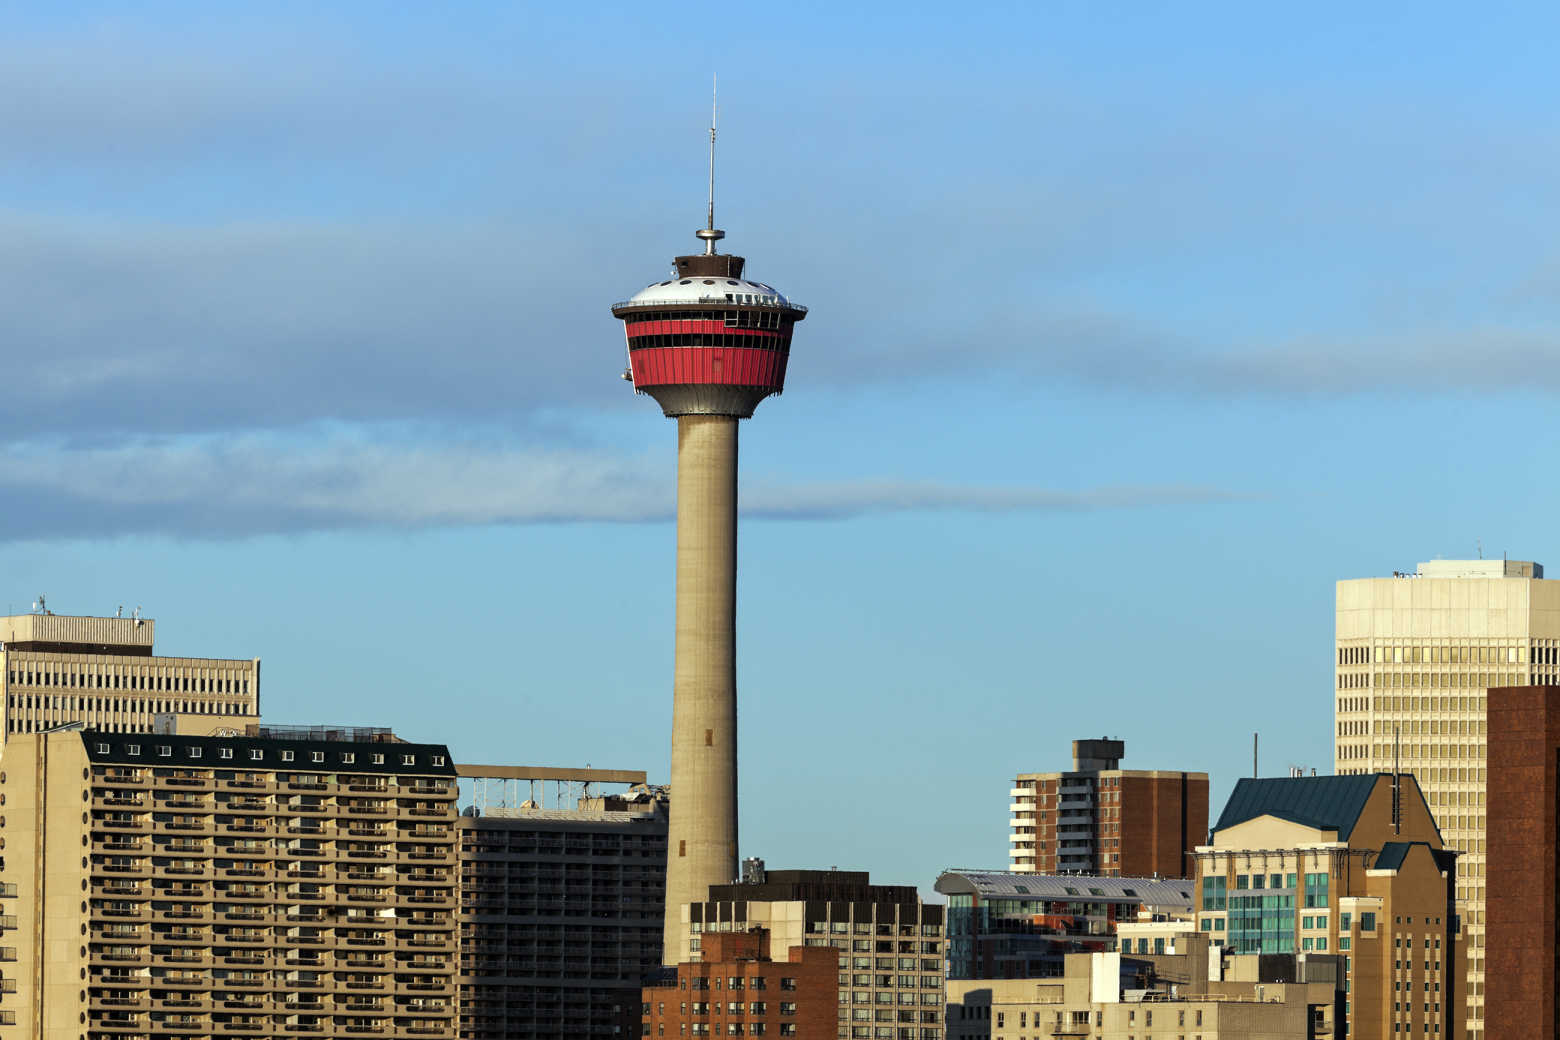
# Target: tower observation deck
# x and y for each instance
(708, 345)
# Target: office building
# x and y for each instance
(1022, 926)
(890, 943)
(1181, 992)
(1098, 818)
(1346, 866)
(735, 989)
(257, 887)
(1524, 804)
(707, 345)
(1415, 656)
(100, 671)
(560, 908)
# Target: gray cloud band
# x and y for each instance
(250, 488)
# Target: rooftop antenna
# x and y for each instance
(119, 611)
(1478, 542)
(709, 232)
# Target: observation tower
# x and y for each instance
(708, 345)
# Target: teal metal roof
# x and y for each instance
(1324, 802)
(1393, 853)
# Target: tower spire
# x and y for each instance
(709, 232)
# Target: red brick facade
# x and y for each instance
(1142, 823)
(1524, 746)
(738, 991)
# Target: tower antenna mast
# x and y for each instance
(709, 232)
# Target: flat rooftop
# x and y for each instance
(1480, 569)
(77, 635)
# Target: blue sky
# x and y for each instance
(1131, 332)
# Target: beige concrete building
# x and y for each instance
(165, 886)
(100, 671)
(1186, 992)
(1345, 867)
(1415, 656)
(890, 943)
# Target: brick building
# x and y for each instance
(890, 943)
(1524, 748)
(737, 990)
(1098, 818)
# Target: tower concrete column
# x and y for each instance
(702, 837)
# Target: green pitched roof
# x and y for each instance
(1323, 802)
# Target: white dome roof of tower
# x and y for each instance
(700, 290)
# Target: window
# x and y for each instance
(132, 749)
(438, 760)
(379, 760)
(348, 758)
(255, 754)
(316, 756)
(164, 750)
(1367, 922)
(102, 749)
(408, 760)
(287, 756)
(226, 752)
(193, 752)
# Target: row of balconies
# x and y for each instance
(402, 1001)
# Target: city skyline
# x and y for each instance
(1121, 352)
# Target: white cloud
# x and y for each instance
(259, 484)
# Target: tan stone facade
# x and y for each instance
(1113, 996)
(1370, 884)
(1414, 659)
(101, 672)
(216, 886)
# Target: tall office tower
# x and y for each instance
(708, 345)
(254, 887)
(890, 943)
(1524, 803)
(1350, 866)
(1098, 818)
(560, 908)
(1414, 658)
(100, 671)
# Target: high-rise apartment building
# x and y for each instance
(1524, 877)
(890, 943)
(1349, 867)
(1098, 818)
(253, 887)
(737, 989)
(1416, 655)
(561, 908)
(100, 671)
